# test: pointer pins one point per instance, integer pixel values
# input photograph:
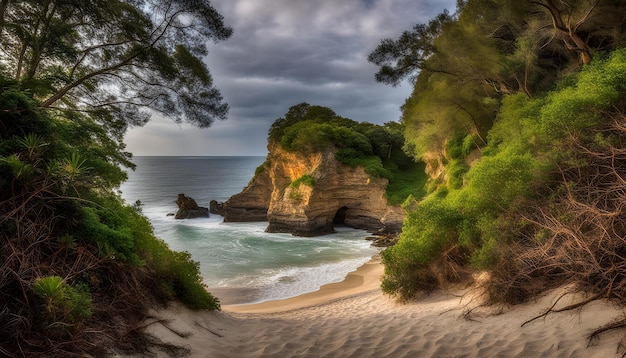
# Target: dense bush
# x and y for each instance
(550, 168)
(429, 230)
(577, 228)
(407, 181)
(73, 255)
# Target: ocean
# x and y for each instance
(240, 262)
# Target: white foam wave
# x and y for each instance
(296, 281)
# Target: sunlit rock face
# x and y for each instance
(340, 194)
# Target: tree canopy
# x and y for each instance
(117, 60)
(463, 64)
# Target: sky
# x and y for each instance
(284, 52)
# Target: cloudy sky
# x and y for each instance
(284, 52)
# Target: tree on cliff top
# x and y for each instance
(79, 268)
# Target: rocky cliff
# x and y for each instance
(333, 193)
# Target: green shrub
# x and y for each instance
(455, 171)
(51, 289)
(178, 276)
(295, 195)
(496, 182)
(371, 164)
(187, 282)
(63, 303)
(454, 148)
(406, 182)
(79, 305)
(106, 228)
(428, 230)
(261, 168)
(468, 145)
(573, 109)
(306, 179)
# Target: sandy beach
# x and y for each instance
(354, 318)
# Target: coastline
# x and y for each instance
(353, 318)
(364, 279)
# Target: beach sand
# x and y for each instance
(354, 319)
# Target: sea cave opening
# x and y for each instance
(340, 216)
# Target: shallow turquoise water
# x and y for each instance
(238, 255)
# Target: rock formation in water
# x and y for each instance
(215, 207)
(307, 195)
(189, 209)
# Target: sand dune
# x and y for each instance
(354, 319)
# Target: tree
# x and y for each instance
(405, 56)
(568, 20)
(115, 59)
(463, 65)
(516, 77)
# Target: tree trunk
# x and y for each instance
(41, 42)
(582, 48)
(563, 23)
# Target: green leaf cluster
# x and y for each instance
(306, 179)
(64, 305)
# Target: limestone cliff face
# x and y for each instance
(252, 203)
(340, 194)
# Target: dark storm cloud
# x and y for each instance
(284, 52)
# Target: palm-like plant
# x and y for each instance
(74, 165)
(51, 289)
(34, 145)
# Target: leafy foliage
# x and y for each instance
(73, 256)
(463, 65)
(544, 163)
(64, 305)
(115, 58)
(377, 149)
(407, 182)
(57, 213)
(306, 179)
(405, 56)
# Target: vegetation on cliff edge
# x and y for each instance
(378, 149)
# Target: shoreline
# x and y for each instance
(353, 318)
(364, 279)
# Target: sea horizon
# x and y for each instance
(200, 156)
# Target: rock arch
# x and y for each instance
(341, 195)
